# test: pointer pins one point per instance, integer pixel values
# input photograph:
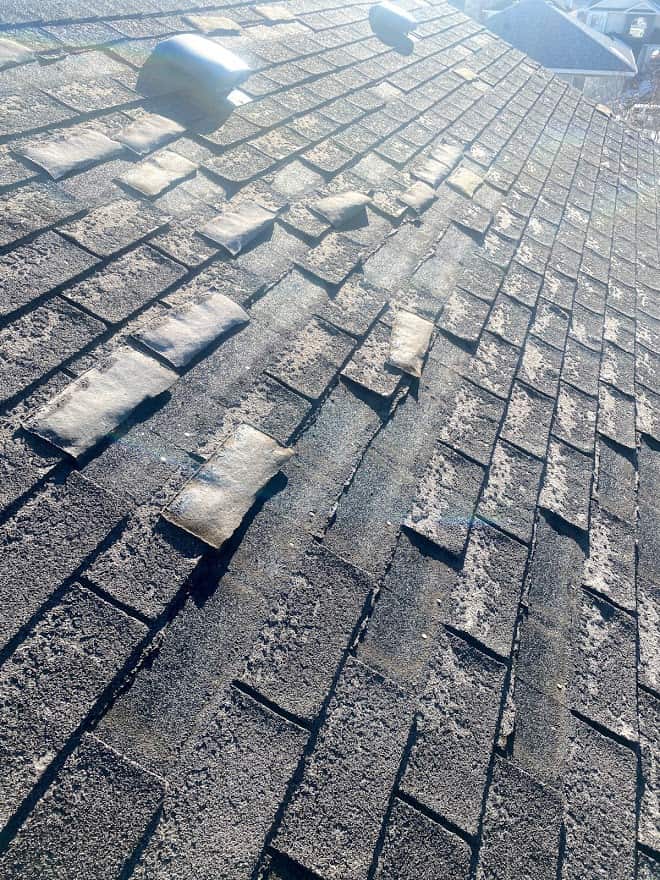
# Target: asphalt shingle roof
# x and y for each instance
(560, 41)
(425, 644)
(625, 5)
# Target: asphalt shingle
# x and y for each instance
(427, 641)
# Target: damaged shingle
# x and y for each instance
(34, 269)
(409, 342)
(464, 181)
(430, 172)
(12, 53)
(342, 208)
(567, 484)
(235, 230)
(464, 316)
(93, 406)
(278, 264)
(418, 197)
(33, 208)
(157, 174)
(71, 152)
(213, 503)
(148, 132)
(314, 357)
(184, 333)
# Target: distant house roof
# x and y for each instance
(559, 41)
(628, 6)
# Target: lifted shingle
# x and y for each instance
(186, 332)
(213, 503)
(235, 230)
(91, 407)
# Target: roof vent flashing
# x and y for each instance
(193, 65)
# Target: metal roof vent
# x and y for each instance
(393, 25)
(194, 65)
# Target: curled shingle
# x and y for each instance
(12, 52)
(71, 152)
(213, 503)
(91, 407)
(186, 332)
(465, 181)
(418, 197)
(149, 132)
(234, 230)
(155, 175)
(409, 342)
(340, 209)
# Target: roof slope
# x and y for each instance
(628, 6)
(427, 644)
(560, 41)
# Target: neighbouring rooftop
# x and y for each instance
(330, 446)
(560, 41)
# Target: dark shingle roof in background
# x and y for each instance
(631, 6)
(430, 647)
(559, 41)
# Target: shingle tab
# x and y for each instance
(604, 682)
(649, 723)
(600, 791)
(333, 259)
(509, 498)
(481, 532)
(444, 773)
(37, 268)
(69, 658)
(124, 285)
(415, 844)
(446, 499)
(313, 359)
(115, 226)
(213, 503)
(521, 826)
(45, 338)
(363, 700)
(333, 594)
(92, 407)
(485, 597)
(34, 208)
(242, 744)
(46, 542)
(97, 791)
(567, 484)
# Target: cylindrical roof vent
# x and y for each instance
(392, 24)
(191, 64)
